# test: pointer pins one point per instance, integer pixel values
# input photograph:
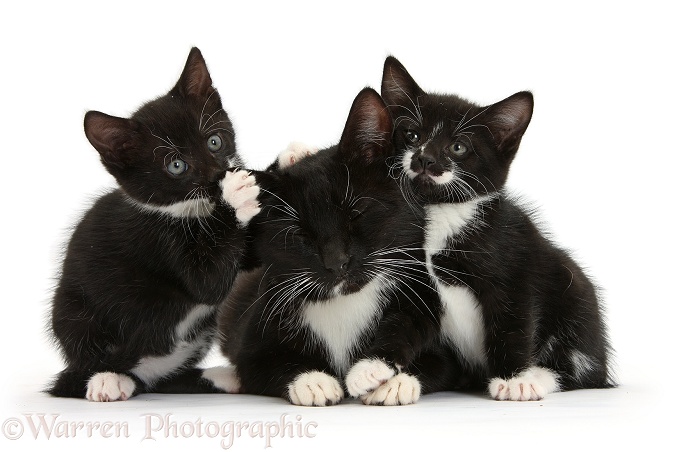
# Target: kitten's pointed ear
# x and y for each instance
(398, 87)
(367, 133)
(508, 120)
(111, 136)
(195, 79)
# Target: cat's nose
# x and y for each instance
(426, 160)
(335, 259)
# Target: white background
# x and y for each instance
(599, 158)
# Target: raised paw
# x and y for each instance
(367, 375)
(109, 387)
(224, 378)
(401, 389)
(532, 384)
(315, 389)
(295, 152)
(240, 191)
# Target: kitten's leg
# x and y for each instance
(240, 191)
(295, 152)
(200, 381)
(367, 375)
(110, 387)
(315, 388)
(533, 383)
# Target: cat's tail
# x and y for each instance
(200, 381)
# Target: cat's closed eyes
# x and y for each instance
(524, 318)
(341, 280)
(146, 267)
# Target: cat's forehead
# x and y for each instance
(447, 107)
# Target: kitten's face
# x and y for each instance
(450, 149)
(175, 149)
(335, 220)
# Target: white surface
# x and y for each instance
(599, 159)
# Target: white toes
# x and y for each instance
(224, 378)
(109, 387)
(315, 389)
(294, 153)
(240, 191)
(532, 384)
(367, 375)
(401, 389)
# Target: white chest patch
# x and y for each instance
(191, 208)
(340, 322)
(151, 368)
(448, 220)
(462, 322)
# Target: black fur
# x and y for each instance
(132, 273)
(339, 217)
(538, 306)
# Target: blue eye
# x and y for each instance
(214, 143)
(458, 149)
(177, 167)
(412, 136)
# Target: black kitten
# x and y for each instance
(340, 279)
(135, 307)
(517, 309)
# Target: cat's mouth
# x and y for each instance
(345, 286)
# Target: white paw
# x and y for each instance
(295, 152)
(531, 384)
(240, 191)
(315, 389)
(401, 389)
(224, 378)
(109, 387)
(366, 375)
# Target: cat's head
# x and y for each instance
(452, 150)
(336, 220)
(173, 151)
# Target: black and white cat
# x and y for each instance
(145, 269)
(521, 314)
(340, 280)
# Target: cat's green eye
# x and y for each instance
(458, 149)
(214, 143)
(177, 167)
(412, 136)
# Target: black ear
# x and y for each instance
(398, 87)
(195, 79)
(508, 120)
(367, 133)
(113, 137)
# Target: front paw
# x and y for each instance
(367, 375)
(401, 389)
(532, 384)
(224, 378)
(240, 191)
(295, 152)
(109, 387)
(315, 389)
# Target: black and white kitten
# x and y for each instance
(340, 280)
(145, 269)
(521, 314)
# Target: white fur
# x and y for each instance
(367, 375)
(340, 322)
(240, 191)
(295, 152)
(224, 378)
(405, 161)
(315, 389)
(582, 364)
(401, 389)
(150, 368)
(462, 322)
(109, 387)
(445, 221)
(190, 208)
(532, 384)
